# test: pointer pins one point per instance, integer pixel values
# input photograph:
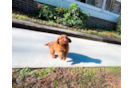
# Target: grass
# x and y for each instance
(95, 77)
(94, 31)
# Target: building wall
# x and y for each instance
(30, 5)
(100, 23)
(24, 5)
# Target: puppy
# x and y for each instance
(60, 46)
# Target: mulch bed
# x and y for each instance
(103, 77)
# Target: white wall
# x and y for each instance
(94, 11)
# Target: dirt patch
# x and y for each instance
(104, 77)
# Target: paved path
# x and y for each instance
(28, 50)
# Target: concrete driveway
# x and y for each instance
(28, 50)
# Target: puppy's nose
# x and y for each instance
(65, 40)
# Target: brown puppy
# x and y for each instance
(61, 47)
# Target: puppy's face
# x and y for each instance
(63, 39)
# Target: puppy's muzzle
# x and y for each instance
(65, 40)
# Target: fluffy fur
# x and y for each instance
(60, 46)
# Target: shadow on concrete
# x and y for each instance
(78, 58)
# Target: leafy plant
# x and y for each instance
(43, 72)
(23, 71)
(51, 69)
(38, 72)
(59, 11)
(31, 72)
(118, 27)
(74, 17)
(45, 12)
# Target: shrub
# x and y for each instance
(72, 17)
(118, 27)
(45, 12)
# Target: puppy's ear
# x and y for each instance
(69, 40)
(58, 41)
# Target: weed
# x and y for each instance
(69, 82)
(87, 70)
(55, 84)
(79, 80)
(90, 77)
(111, 87)
(52, 68)
(14, 76)
(113, 68)
(95, 71)
(21, 74)
(31, 72)
(13, 84)
(100, 82)
(83, 84)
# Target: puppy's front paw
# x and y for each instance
(60, 58)
(64, 58)
(53, 56)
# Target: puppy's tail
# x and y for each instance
(46, 44)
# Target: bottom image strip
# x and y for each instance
(67, 77)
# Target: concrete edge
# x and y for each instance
(67, 67)
(55, 30)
